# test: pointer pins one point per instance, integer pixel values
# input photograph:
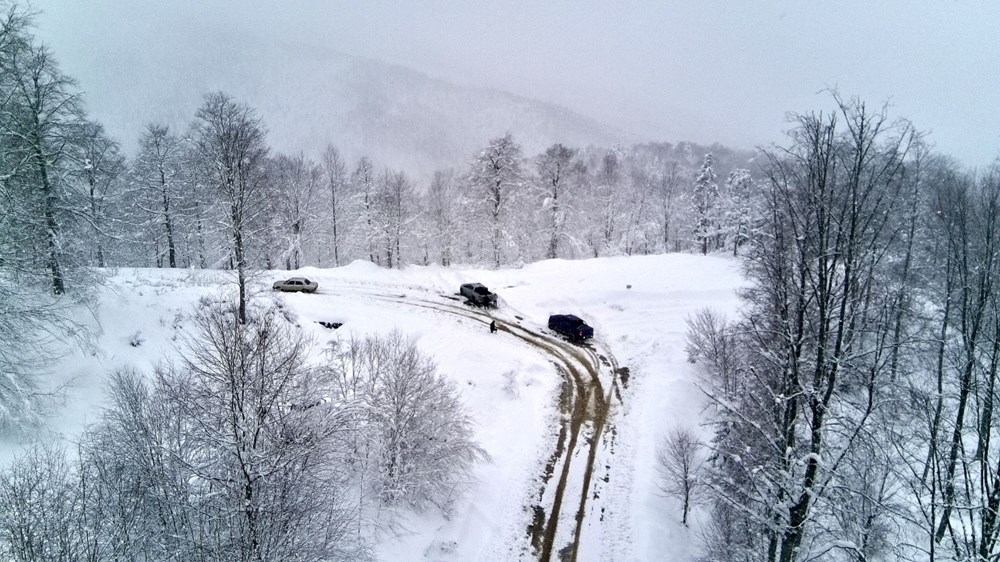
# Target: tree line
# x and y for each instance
(214, 194)
(852, 401)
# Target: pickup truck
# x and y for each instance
(478, 294)
(570, 326)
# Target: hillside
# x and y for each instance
(309, 96)
(638, 307)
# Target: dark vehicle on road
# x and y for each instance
(570, 326)
(478, 294)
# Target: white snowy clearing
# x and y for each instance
(511, 388)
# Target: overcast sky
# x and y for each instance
(700, 70)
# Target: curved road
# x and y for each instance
(590, 392)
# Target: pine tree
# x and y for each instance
(704, 199)
(738, 212)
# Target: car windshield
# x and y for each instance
(482, 290)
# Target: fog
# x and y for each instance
(698, 71)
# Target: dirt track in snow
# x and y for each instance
(590, 390)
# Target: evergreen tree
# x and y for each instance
(738, 213)
(704, 200)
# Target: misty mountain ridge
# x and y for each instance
(309, 97)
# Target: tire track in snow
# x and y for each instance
(585, 405)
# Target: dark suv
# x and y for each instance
(570, 326)
(478, 294)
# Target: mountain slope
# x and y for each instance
(309, 97)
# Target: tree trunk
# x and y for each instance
(333, 222)
(239, 264)
(171, 251)
(50, 201)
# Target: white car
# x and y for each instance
(296, 284)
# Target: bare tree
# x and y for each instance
(442, 214)
(102, 168)
(609, 199)
(634, 234)
(959, 479)
(41, 214)
(497, 178)
(40, 121)
(38, 508)
(232, 454)
(556, 181)
(395, 214)
(135, 486)
(335, 172)
(230, 139)
(816, 338)
(296, 184)
(678, 462)
(263, 426)
(667, 186)
(364, 188)
(160, 191)
(712, 339)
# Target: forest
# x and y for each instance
(852, 401)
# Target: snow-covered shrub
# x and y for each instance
(411, 421)
(510, 387)
(38, 508)
(711, 339)
(136, 339)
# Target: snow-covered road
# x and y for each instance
(572, 430)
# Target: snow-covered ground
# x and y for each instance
(637, 306)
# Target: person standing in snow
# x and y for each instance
(493, 326)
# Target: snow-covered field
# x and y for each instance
(509, 387)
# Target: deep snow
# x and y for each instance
(643, 327)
